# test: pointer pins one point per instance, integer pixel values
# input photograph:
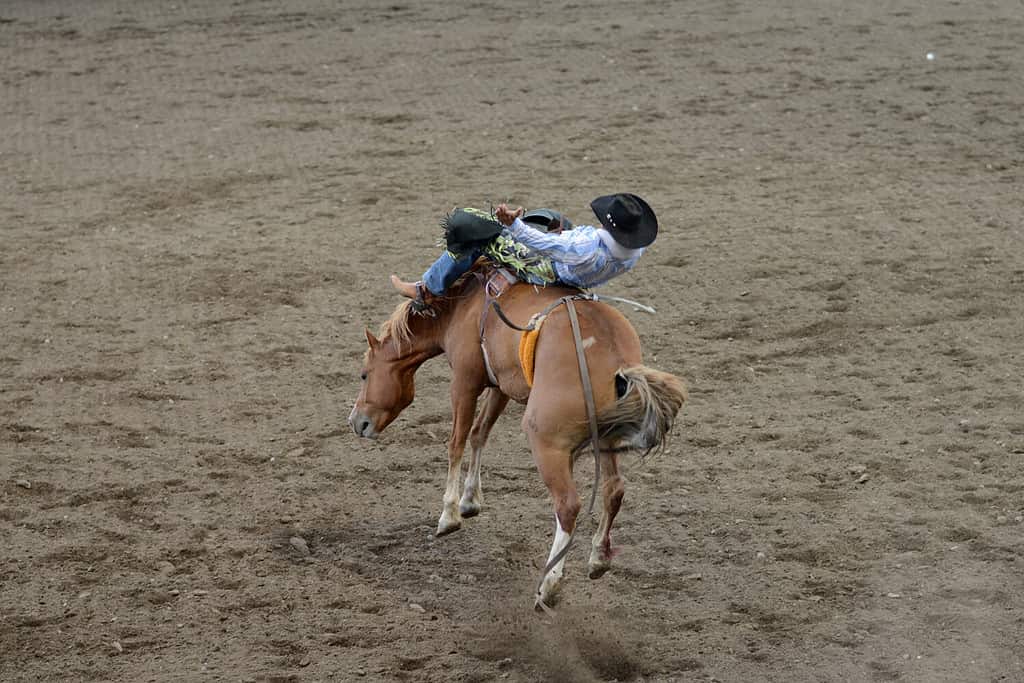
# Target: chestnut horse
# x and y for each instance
(635, 405)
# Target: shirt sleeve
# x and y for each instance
(572, 247)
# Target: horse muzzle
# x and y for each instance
(362, 425)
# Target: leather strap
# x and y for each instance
(581, 296)
(588, 395)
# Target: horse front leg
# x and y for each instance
(612, 490)
(463, 406)
(472, 495)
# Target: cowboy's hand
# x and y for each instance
(506, 215)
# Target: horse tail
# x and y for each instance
(642, 415)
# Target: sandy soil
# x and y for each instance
(199, 205)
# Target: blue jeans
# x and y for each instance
(446, 270)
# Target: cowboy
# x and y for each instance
(585, 257)
(468, 235)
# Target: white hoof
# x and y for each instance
(548, 592)
(448, 524)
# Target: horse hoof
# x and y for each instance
(596, 571)
(548, 592)
(541, 604)
(445, 528)
(469, 509)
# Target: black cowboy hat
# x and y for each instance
(628, 218)
(545, 218)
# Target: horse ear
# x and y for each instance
(371, 340)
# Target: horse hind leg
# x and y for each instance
(472, 495)
(555, 467)
(612, 490)
(551, 582)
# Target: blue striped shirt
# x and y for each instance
(583, 257)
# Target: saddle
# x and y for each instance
(496, 281)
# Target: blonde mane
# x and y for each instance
(397, 326)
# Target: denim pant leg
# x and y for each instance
(447, 269)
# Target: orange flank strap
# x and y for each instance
(528, 350)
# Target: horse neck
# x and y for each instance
(421, 344)
(428, 334)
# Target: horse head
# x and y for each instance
(386, 388)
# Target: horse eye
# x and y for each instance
(362, 375)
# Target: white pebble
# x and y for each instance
(300, 544)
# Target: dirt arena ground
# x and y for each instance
(200, 203)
